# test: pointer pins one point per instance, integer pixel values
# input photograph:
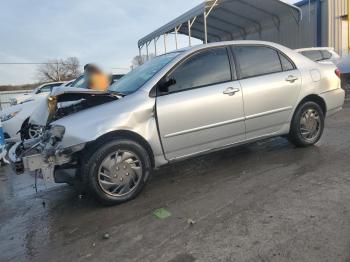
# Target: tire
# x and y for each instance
(105, 171)
(307, 125)
(24, 130)
(27, 131)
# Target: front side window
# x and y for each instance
(206, 68)
(257, 60)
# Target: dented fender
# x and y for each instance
(132, 113)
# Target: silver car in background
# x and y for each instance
(176, 106)
(321, 54)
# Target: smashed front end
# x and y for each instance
(45, 155)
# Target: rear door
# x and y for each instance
(203, 110)
(270, 84)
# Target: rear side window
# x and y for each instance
(206, 68)
(257, 60)
(286, 63)
(314, 55)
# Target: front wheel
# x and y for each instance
(117, 171)
(307, 125)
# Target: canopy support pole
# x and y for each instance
(206, 14)
(190, 24)
(205, 29)
(165, 43)
(147, 44)
(189, 32)
(155, 45)
(176, 31)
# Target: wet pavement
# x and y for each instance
(266, 201)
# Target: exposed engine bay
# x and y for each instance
(69, 103)
(66, 101)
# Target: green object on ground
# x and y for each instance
(161, 213)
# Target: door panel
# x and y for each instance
(200, 119)
(269, 101)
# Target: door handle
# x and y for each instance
(291, 79)
(231, 91)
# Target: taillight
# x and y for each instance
(338, 72)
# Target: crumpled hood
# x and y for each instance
(64, 101)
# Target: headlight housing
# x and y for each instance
(7, 117)
(27, 100)
(57, 131)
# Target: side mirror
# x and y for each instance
(164, 86)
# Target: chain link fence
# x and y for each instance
(7, 96)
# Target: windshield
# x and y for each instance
(140, 75)
(80, 82)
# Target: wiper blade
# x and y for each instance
(117, 93)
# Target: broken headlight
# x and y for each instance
(57, 131)
(7, 117)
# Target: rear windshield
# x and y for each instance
(314, 55)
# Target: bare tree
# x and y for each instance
(72, 67)
(59, 70)
(140, 60)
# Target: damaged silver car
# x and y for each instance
(177, 106)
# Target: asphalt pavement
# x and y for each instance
(266, 201)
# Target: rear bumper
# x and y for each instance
(334, 100)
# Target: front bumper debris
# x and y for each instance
(39, 158)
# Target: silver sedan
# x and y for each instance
(179, 105)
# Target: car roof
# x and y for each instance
(225, 43)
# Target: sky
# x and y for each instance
(104, 32)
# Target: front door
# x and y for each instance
(203, 109)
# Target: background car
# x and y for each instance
(43, 89)
(15, 118)
(321, 54)
(344, 68)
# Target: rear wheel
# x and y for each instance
(117, 171)
(307, 125)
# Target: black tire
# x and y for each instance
(295, 134)
(91, 169)
(24, 132)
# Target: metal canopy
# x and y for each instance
(218, 20)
